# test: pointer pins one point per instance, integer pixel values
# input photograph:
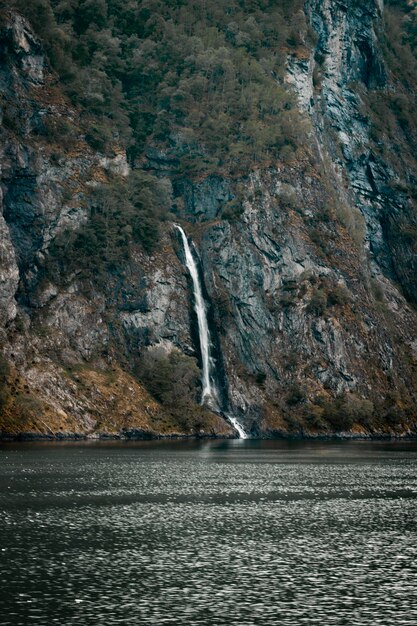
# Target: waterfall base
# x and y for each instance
(212, 403)
(237, 426)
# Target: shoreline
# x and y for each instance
(147, 436)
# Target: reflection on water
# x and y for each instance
(208, 533)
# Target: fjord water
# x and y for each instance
(208, 533)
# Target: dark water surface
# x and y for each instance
(208, 533)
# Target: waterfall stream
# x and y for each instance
(237, 426)
(210, 395)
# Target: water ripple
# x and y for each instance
(143, 536)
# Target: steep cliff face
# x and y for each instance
(65, 373)
(311, 286)
(350, 67)
(310, 283)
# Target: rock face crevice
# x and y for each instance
(311, 280)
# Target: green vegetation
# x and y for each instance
(199, 81)
(341, 413)
(173, 378)
(122, 213)
(323, 293)
(400, 42)
(222, 306)
(260, 379)
(327, 294)
(333, 209)
(4, 387)
(318, 302)
(57, 129)
(392, 112)
(295, 395)
(27, 407)
(200, 78)
(290, 294)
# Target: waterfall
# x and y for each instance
(210, 395)
(237, 426)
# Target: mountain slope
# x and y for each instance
(303, 214)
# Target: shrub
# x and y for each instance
(57, 130)
(290, 360)
(290, 293)
(346, 410)
(393, 414)
(99, 137)
(28, 406)
(204, 74)
(359, 410)
(318, 237)
(4, 388)
(4, 369)
(338, 295)
(318, 302)
(260, 379)
(377, 291)
(12, 119)
(317, 77)
(288, 299)
(354, 222)
(335, 414)
(222, 305)
(122, 213)
(314, 416)
(232, 210)
(171, 377)
(288, 197)
(295, 395)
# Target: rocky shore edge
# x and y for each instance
(143, 435)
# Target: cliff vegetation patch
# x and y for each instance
(203, 80)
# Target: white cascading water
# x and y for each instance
(237, 426)
(210, 395)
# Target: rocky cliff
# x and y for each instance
(309, 264)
